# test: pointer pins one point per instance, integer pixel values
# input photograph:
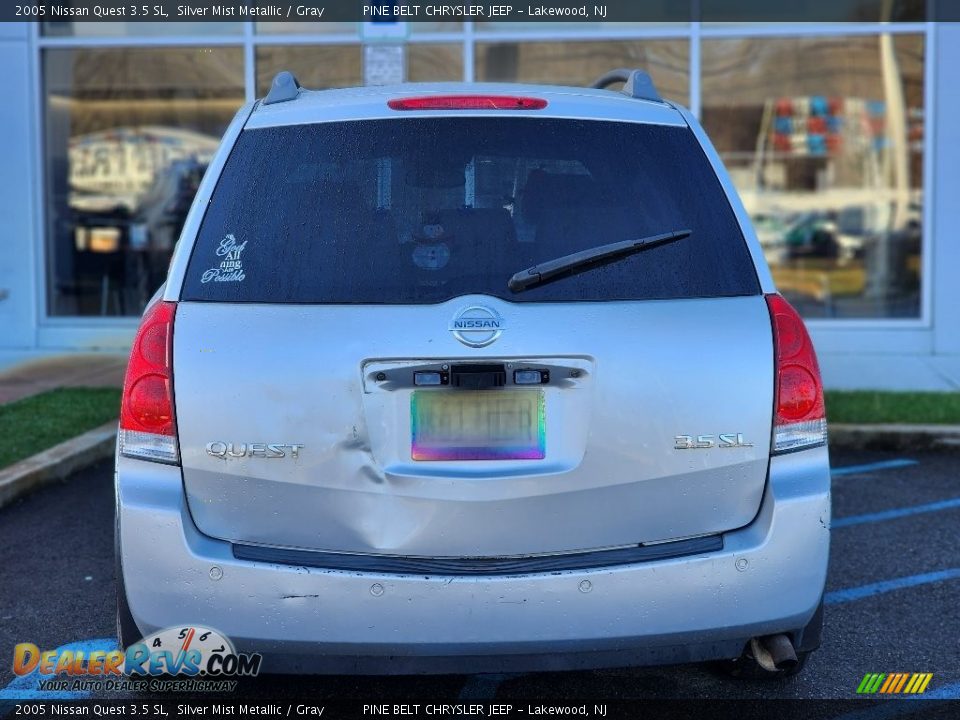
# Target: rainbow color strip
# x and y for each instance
(894, 683)
(478, 425)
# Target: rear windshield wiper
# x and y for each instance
(584, 260)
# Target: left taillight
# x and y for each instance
(148, 425)
(799, 417)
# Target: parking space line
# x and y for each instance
(902, 705)
(871, 467)
(896, 513)
(28, 686)
(885, 586)
(947, 692)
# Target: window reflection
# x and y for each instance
(305, 27)
(93, 28)
(129, 134)
(434, 63)
(580, 63)
(315, 66)
(330, 66)
(824, 139)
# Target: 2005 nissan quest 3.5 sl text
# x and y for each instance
(470, 377)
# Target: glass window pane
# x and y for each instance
(143, 29)
(434, 63)
(433, 26)
(315, 66)
(824, 140)
(306, 27)
(129, 133)
(580, 63)
(416, 209)
(326, 66)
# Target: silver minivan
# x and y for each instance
(473, 377)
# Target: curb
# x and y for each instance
(894, 437)
(57, 463)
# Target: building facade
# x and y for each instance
(842, 139)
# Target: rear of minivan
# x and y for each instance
(347, 443)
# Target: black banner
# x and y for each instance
(487, 710)
(394, 11)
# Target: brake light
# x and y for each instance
(147, 422)
(800, 420)
(467, 102)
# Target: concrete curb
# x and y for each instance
(57, 463)
(894, 437)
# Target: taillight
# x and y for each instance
(467, 102)
(799, 419)
(148, 428)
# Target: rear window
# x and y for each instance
(421, 210)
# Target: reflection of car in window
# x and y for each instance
(813, 235)
(164, 206)
(130, 191)
(499, 373)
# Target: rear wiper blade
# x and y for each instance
(584, 260)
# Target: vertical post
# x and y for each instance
(695, 100)
(468, 52)
(249, 62)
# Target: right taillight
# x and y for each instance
(799, 418)
(148, 428)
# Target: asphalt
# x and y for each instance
(57, 587)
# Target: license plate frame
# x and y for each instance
(458, 425)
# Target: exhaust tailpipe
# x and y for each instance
(774, 652)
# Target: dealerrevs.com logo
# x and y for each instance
(182, 658)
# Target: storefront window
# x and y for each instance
(580, 63)
(434, 63)
(330, 66)
(435, 26)
(129, 134)
(85, 28)
(315, 66)
(823, 136)
(824, 140)
(306, 27)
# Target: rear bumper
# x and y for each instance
(768, 578)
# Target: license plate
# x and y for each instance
(477, 425)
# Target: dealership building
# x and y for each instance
(842, 137)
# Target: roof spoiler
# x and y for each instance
(636, 83)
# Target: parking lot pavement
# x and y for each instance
(893, 595)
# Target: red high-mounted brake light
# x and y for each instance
(147, 421)
(800, 419)
(467, 102)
